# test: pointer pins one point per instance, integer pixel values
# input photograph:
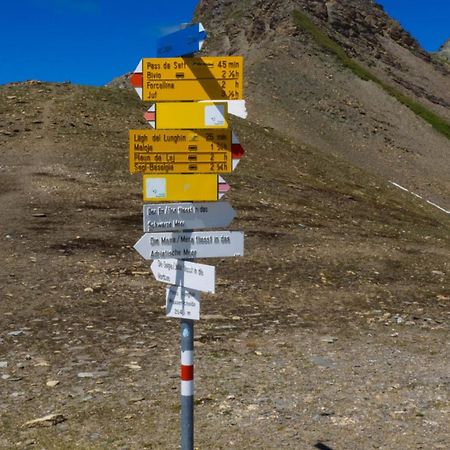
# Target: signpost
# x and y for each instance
(182, 188)
(187, 115)
(198, 244)
(180, 151)
(185, 273)
(182, 303)
(181, 160)
(187, 216)
(183, 42)
(189, 79)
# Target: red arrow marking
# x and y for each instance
(150, 116)
(136, 80)
(223, 186)
(237, 150)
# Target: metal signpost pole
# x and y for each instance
(181, 158)
(187, 384)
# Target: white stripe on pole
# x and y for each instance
(187, 358)
(187, 388)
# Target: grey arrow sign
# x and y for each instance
(185, 273)
(198, 244)
(187, 216)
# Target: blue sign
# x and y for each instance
(181, 43)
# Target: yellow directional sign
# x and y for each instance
(189, 79)
(178, 188)
(183, 167)
(188, 115)
(180, 151)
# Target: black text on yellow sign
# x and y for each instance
(180, 151)
(191, 79)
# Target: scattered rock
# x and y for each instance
(328, 339)
(96, 374)
(323, 362)
(52, 383)
(46, 421)
(133, 366)
(437, 272)
(16, 333)
(85, 375)
(3, 364)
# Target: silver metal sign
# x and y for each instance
(187, 216)
(185, 245)
(185, 273)
(182, 303)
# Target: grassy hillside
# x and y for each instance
(303, 22)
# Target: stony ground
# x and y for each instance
(330, 333)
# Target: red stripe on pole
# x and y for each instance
(237, 150)
(187, 373)
(136, 80)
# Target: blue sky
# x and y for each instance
(93, 41)
(83, 41)
(427, 20)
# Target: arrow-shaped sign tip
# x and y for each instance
(140, 246)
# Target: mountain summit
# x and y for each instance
(344, 77)
(444, 51)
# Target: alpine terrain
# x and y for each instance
(331, 332)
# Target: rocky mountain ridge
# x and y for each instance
(343, 77)
(444, 50)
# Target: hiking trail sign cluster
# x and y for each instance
(182, 156)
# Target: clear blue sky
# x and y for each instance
(427, 20)
(83, 41)
(93, 41)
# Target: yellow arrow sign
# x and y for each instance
(179, 188)
(187, 115)
(180, 151)
(189, 79)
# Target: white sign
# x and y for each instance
(187, 216)
(185, 273)
(215, 115)
(182, 303)
(235, 107)
(197, 244)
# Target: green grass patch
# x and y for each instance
(303, 22)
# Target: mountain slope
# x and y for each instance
(297, 86)
(338, 304)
